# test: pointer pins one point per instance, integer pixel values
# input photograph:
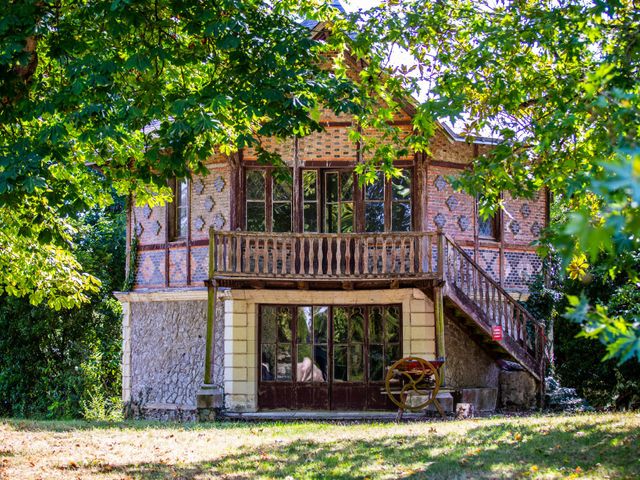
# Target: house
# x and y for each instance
(253, 294)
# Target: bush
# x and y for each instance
(577, 360)
(66, 364)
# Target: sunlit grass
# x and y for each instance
(580, 446)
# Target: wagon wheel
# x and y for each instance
(414, 380)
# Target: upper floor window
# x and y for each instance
(488, 229)
(179, 209)
(268, 202)
(387, 203)
(330, 202)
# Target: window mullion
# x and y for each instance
(268, 201)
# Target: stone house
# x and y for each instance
(252, 294)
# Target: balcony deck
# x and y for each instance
(323, 260)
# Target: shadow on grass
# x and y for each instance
(504, 450)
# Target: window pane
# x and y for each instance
(305, 325)
(320, 359)
(356, 366)
(281, 190)
(375, 190)
(332, 186)
(282, 217)
(310, 217)
(268, 322)
(374, 216)
(486, 228)
(309, 184)
(346, 217)
(401, 216)
(255, 185)
(392, 324)
(401, 186)
(376, 332)
(305, 368)
(181, 227)
(284, 362)
(356, 324)
(347, 186)
(340, 363)
(376, 363)
(255, 216)
(283, 319)
(320, 323)
(331, 218)
(268, 362)
(392, 354)
(340, 324)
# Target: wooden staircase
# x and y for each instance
(474, 299)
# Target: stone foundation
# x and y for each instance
(163, 353)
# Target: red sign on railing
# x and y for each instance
(496, 332)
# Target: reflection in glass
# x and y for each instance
(283, 317)
(340, 363)
(310, 217)
(320, 359)
(281, 217)
(346, 217)
(401, 217)
(305, 323)
(320, 324)
(356, 324)
(340, 325)
(347, 186)
(376, 330)
(268, 362)
(284, 362)
(255, 185)
(356, 363)
(268, 321)
(392, 324)
(401, 202)
(376, 363)
(374, 216)
(255, 216)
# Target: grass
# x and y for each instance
(579, 446)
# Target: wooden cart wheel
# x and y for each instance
(412, 380)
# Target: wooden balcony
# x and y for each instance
(322, 260)
(392, 260)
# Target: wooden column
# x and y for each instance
(439, 302)
(297, 193)
(212, 292)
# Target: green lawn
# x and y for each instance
(579, 446)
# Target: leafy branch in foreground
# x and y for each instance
(558, 82)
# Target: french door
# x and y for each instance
(326, 357)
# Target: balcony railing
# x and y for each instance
(318, 256)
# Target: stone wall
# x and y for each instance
(468, 365)
(164, 352)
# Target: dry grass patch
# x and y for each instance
(580, 446)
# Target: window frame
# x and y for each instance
(175, 235)
(268, 200)
(359, 202)
(495, 222)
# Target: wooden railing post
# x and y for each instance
(441, 255)
(212, 293)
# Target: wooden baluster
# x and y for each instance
(366, 255)
(357, 245)
(330, 243)
(412, 243)
(303, 255)
(338, 256)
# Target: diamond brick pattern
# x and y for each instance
(440, 183)
(452, 203)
